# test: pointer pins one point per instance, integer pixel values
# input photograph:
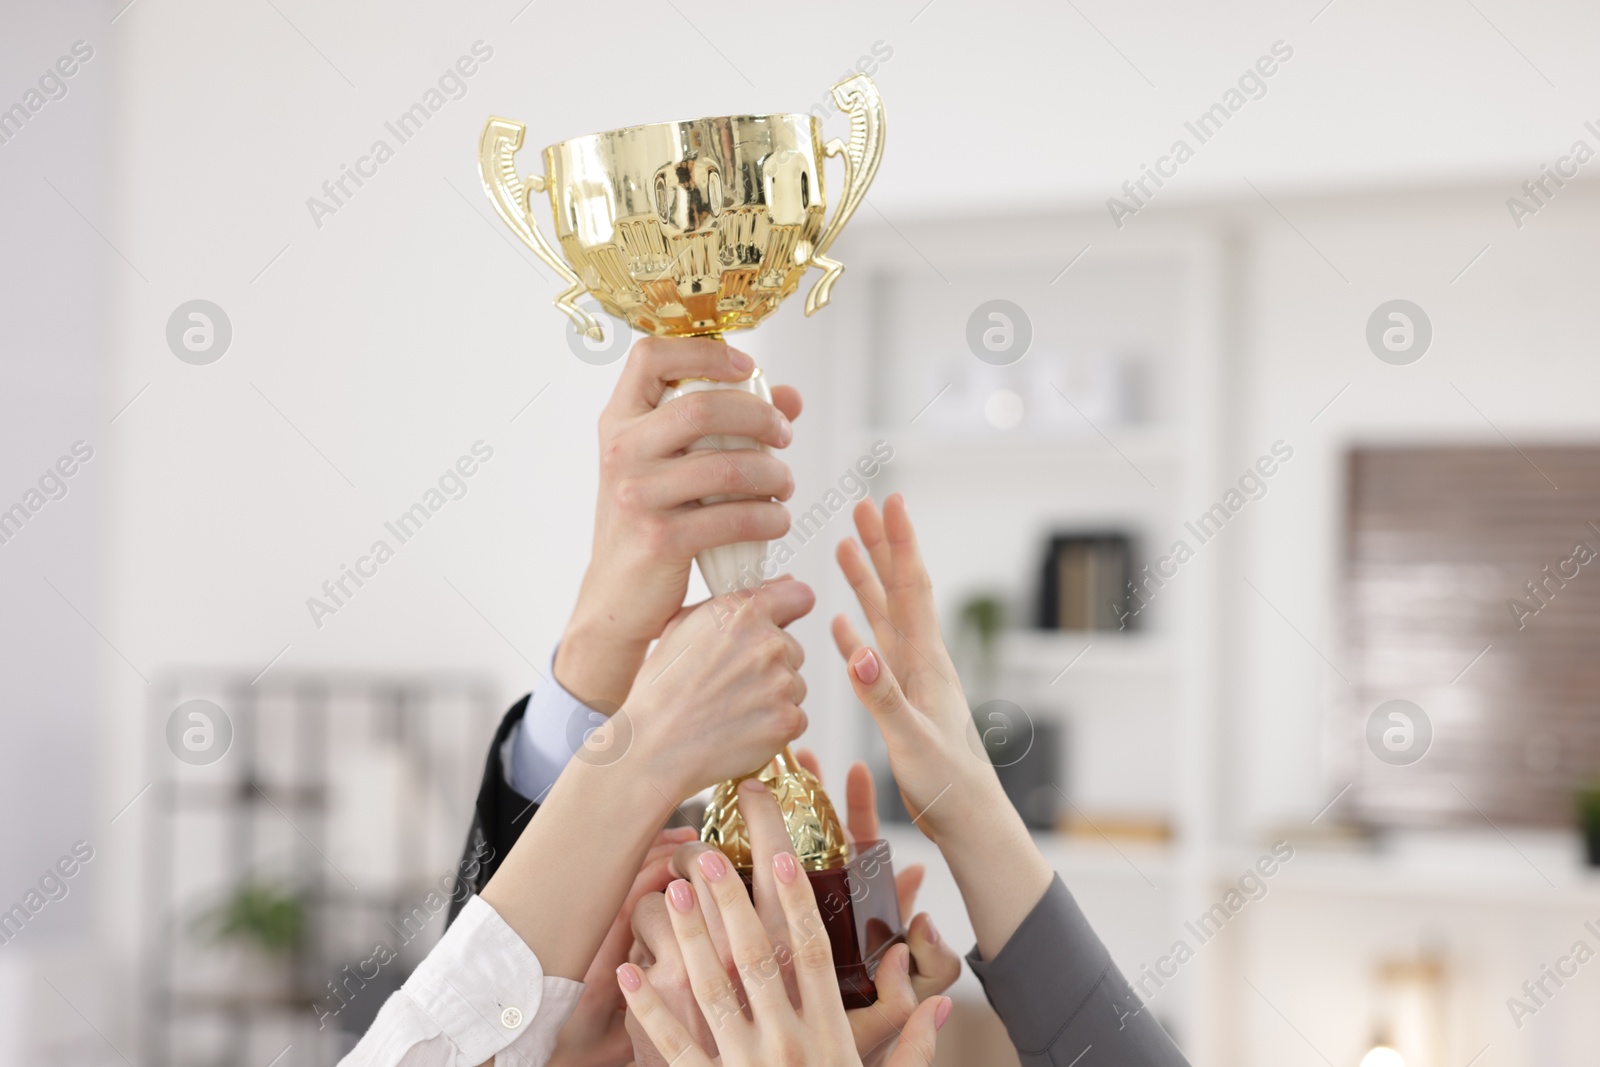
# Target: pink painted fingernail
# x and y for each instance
(740, 361)
(785, 430)
(630, 977)
(905, 961)
(933, 931)
(867, 668)
(784, 867)
(942, 1013)
(712, 866)
(681, 893)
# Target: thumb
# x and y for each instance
(921, 1033)
(935, 965)
(876, 687)
(875, 1026)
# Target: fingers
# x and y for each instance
(909, 588)
(809, 946)
(666, 842)
(808, 760)
(656, 951)
(713, 990)
(769, 835)
(683, 858)
(921, 968)
(684, 534)
(873, 1025)
(877, 689)
(653, 930)
(683, 865)
(920, 1035)
(845, 637)
(869, 591)
(869, 525)
(794, 653)
(783, 602)
(666, 1033)
(861, 803)
(907, 884)
(786, 398)
(651, 879)
(934, 964)
(706, 473)
(720, 889)
(708, 413)
(655, 361)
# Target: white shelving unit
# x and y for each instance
(1214, 714)
(985, 501)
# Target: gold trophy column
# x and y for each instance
(686, 229)
(814, 827)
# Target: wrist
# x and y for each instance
(596, 663)
(1000, 842)
(664, 767)
(979, 811)
(998, 868)
(630, 789)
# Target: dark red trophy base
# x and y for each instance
(861, 913)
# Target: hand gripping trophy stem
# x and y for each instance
(691, 229)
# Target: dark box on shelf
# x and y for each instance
(1083, 584)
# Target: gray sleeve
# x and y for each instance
(1062, 999)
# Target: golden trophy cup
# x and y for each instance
(690, 229)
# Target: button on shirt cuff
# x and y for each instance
(485, 990)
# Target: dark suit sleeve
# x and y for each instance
(1059, 994)
(497, 820)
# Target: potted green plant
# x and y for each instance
(1589, 821)
(261, 930)
(981, 619)
(271, 918)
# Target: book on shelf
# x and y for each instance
(1084, 582)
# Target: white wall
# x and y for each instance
(1512, 336)
(54, 289)
(405, 328)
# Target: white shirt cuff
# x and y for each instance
(486, 991)
(480, 993)
(551, 730)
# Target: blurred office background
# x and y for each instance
(1373, 509)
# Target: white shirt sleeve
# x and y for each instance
(480, 995)
(551, 730)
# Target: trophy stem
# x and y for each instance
(814, 826)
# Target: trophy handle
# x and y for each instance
(509, 194)
(859, 97)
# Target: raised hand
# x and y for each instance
(649, 523)
(719, 696)
(720, 693)
(927, 725)
(945, 777)
(777, 1030)
(907, 975)
(934, 965)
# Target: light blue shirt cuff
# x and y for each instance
(550, 732)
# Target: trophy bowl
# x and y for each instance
(683, 229)
(690, 229)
